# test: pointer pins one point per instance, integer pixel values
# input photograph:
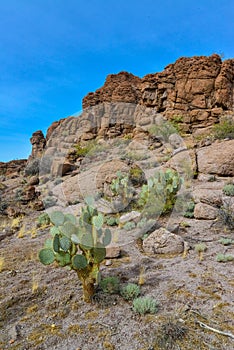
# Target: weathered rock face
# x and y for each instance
(122, 87)
(199, 89)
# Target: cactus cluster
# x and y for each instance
(159, 194)
(78, 244)
(121, 186)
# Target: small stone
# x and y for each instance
(113, 252)
(108, 262)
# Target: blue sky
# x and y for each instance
(53, 52)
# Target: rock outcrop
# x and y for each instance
(198, 89)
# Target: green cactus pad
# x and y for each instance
(68, 229)
(87, 240)
(63, 258)
(71, 218)
(65, 243)
(54, 231)
(46, 256)
(56, 243)
(79, 262)
(89, 200)
(98, 253)
(48, 243)
(107, 237)
(75, 239)
(57, 218)
(98, 221)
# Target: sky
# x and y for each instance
(53, 52)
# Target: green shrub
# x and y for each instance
(144, 305)
(78, 244)
(111, 220)
(226, 215)
(226, 241)
(43, 219)
(130, 225)
(228, 190)
(130, 291)
(224, 258)
(189, 210)
(110, 285)
(49, 201)
(225, 129)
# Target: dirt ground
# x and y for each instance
(42, 307)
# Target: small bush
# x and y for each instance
(226, 241)
(43, 219)
(130, 225)
(200, 247)
(130, 291)
(144, 305)
(225, 129)
(224, 258)
(110, 285)
(189, 210)
(3, 206)
(226, 215)
(228, 190)
(49, 201)
(111, 221)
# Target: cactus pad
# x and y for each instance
(46, 256)
(79, 262)
(56, 243)
(57, 218)
(65, 243)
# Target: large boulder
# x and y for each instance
(217, 159)
(163, 241)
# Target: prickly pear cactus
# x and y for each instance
(78, 244)
(159, 195)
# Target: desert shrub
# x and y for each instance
(78, 244)
(111, 220)
(130, 225)
(225, 129)
(224, 258)
(226, 241)
(3, 206)
(144, 305)
(228, 189)
(200, 247)
(43, 219)
(189, 210)
(19, 193)
(130, 291)
(110, 285)
(49, 201)
(163, 130)
(32, 168)
(226, 215)
(89, 148)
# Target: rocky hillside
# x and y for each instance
(156, 155)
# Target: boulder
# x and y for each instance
(205, 211)
(163, 241)
(217, 159)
